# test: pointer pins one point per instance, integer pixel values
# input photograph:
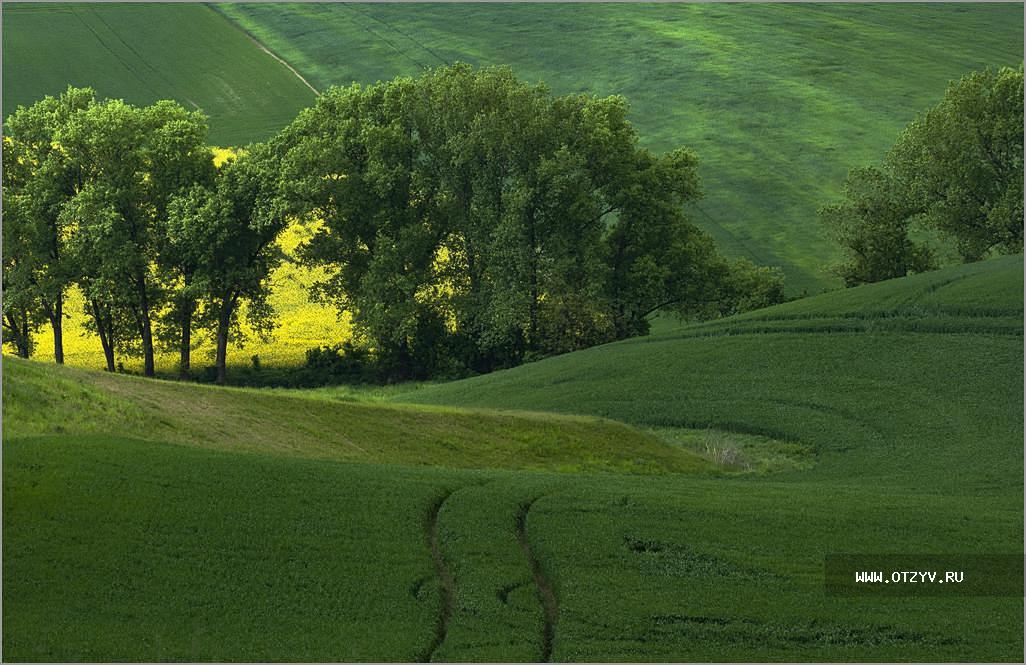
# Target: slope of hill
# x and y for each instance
(143, 53)
(45, 400)
(923, 371)
(778, 101)
(262, 533)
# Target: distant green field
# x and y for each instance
(143, 53)
(778, 101)
(146, 520)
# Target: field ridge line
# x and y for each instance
(445, 579)
(263, 47)
(546, 594)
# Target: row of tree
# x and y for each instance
(126, 203)
(465, 219)
(955, 173)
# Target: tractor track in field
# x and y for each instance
(446, 581)
(546, 594)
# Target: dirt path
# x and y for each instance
(446, 581)
(546, 594)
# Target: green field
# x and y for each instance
(146, 520)
(188, 53)
(671, 497)
(778, 101)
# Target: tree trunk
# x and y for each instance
(57, 321)
(145, 328)
(105, 330)
(186, 343)
(24, 341)
(19, 333)
(223, 321)
(405, 362)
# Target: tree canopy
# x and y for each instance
(957, 170)
(467, 220)
(470, 219)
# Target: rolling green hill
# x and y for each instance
(778, 101)
(155, 521)
(915, 371)
(45, 400)
(143, 53)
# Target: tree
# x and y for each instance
(183, 248)
(657, 259)
(872, 225)
(358, 161)
(470, 218)
(131, 161)
(957, 169)
(227, 234)
(749, 286)
(20, 305)
(96, 253)
(40, 177)
(183, 168)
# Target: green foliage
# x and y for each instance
(957, 169)
(872, 226)
(40, 177)
(346, 361)
(227, 233)
(962, 163)
(470, 219)
(128, 163)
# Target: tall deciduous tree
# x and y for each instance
(40, 176)
(21, 308)
(957, 170)
(873, 225)
(467, 211)
(132, 161)
(962, 163)
(226, 233)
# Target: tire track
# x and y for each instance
(405, 35)
(546, 594)
(446, 581)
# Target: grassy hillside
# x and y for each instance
(778, 101)
(143, 53)
(915, 382)
(44, 400)
(288, 526)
